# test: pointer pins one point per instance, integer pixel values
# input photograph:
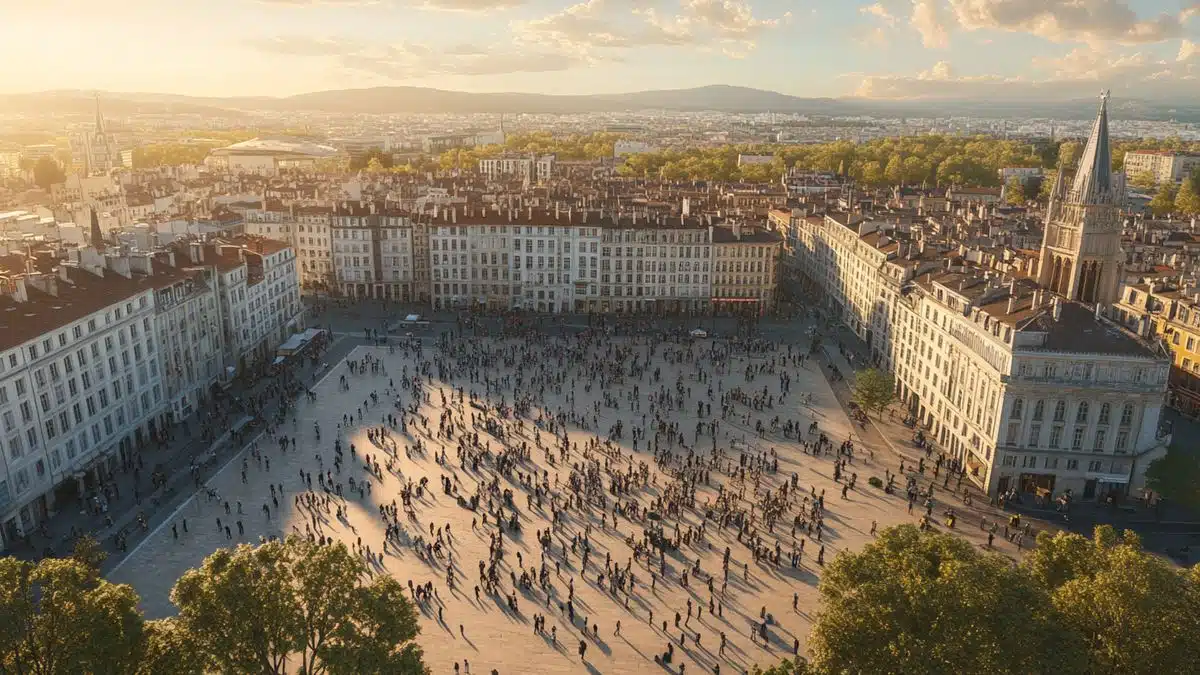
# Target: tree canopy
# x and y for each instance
(1187, 199)
(59, 617)
(171, 154)
(283, 606)
(874, 389)
(47, 172)
(261, 608)
(933, 603)
(1163, 202)
(1014, 191)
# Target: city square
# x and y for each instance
(644, 451)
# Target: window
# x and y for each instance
(1072, 464)
(1056, 436)
(1010, 460)
(1122, 441)
(1081, 413)
(1018, 408)
(1105, 409)
(1098, 444)
(1060, 411)
(1014, 433)
(1035, 432)
(1077, 439)
(1127, 415)
(1039, 410)
(1095, 466)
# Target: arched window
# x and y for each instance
(1104, 412)
(1039, 409)
(1081, 413)
(1060, 411)
(1018, 408)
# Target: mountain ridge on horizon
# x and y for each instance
(715, 98)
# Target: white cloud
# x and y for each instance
(467, 5)
(1187, 50)
(928, 20)
(590, 24)
(406, 61)
(1071, 20)
(1081, 72)
(315, 3)
(727, 25)
(880, 12)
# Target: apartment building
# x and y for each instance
(259, 294)
(746, 266)
(1025, 383)
(307, 230)
(80, 380)
(374, 252)
(187, 321)
(1172, 314)
(656, 264)
(529, 168)
(1164, 165)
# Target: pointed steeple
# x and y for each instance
(1093, 180)
(99, 117)
(97, 237)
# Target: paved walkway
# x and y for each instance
(492, 634)
(175, 462)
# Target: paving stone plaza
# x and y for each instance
(583, 390)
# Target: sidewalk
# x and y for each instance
(890, 433)
(175, 462)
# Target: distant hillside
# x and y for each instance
(79, 102)
(719, 98)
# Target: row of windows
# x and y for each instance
(1055, 440)
(1082, 411)
(1093, 466)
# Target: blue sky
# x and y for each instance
(887, 49)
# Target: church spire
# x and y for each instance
(97, 237)
(1093, 180)
(99, 117)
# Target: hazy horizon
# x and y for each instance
(899, 49)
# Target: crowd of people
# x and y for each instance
(644, 464)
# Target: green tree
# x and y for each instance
(171, 154)
(259, 609)
(1068, 154)
(1014, 191)
(1047, 185)
(47, 172)
(169, 651)
(784, 667)
(913, 602)
(893, 171)
(1143, 180)
(1137, 612)
(1187, 200)
(874, 389)
(88, 552)
(58, 617)
(1164, 200)
(1176, 476)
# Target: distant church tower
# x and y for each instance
(1081, 250)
